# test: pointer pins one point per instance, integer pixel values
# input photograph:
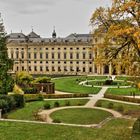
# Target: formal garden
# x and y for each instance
(25, 103)
(79, 107)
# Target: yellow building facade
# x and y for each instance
(71, 55)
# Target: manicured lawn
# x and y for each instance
(118, 129)
(127, 109)
(27, 113)
(80, 115)
(114, 83)
(123, 91)
(71, 84)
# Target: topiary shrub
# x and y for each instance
(47, 106)
(56, 104)
(108, 82)
(110, 105)
(120, 108)
(67, 103)
(56, 121)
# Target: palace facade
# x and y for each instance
(72, 55)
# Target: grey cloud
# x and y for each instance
(28, 6)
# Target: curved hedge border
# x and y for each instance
(122, 98)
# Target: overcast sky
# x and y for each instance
(68, 16)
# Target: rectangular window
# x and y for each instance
(90, 69)
(35, 55)
(46, 55)
(71, 55)
(47, 69)
(58, 55)
(65, 55)
(53, 69)
(52, 55)
(90, 55)
(22, 55)
(22, 68)
(30, 68)
(35, 68)
(59, 69)
(84, 69)
(29, 55)
(12, 55)
(84, 55)
(41, 68)
(17, 55)
(77, 56)
(41, 55)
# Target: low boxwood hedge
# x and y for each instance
(38, 97)
(122, 98)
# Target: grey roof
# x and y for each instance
(33, 35)
(16, 36)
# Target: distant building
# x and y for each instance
(70, 55)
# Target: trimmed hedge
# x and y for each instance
(30, 90)
(38, 97)
(49, 96)
(122, 98)
(33, 97)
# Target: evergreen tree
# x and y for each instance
(6, 81)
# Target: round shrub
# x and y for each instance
(120, 108)
(56, 121)
(110, 105)
(47, 106)
(56, 104)
(108, 82)
(67, 103)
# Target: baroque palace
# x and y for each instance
(72, 55)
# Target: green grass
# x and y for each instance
(118, 129)
(71, 84)
(27, 113)
(127, 109)
(80, 115)
(123, 91)
(115, 83)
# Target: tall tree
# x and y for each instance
(6, 81)
(120, 24)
